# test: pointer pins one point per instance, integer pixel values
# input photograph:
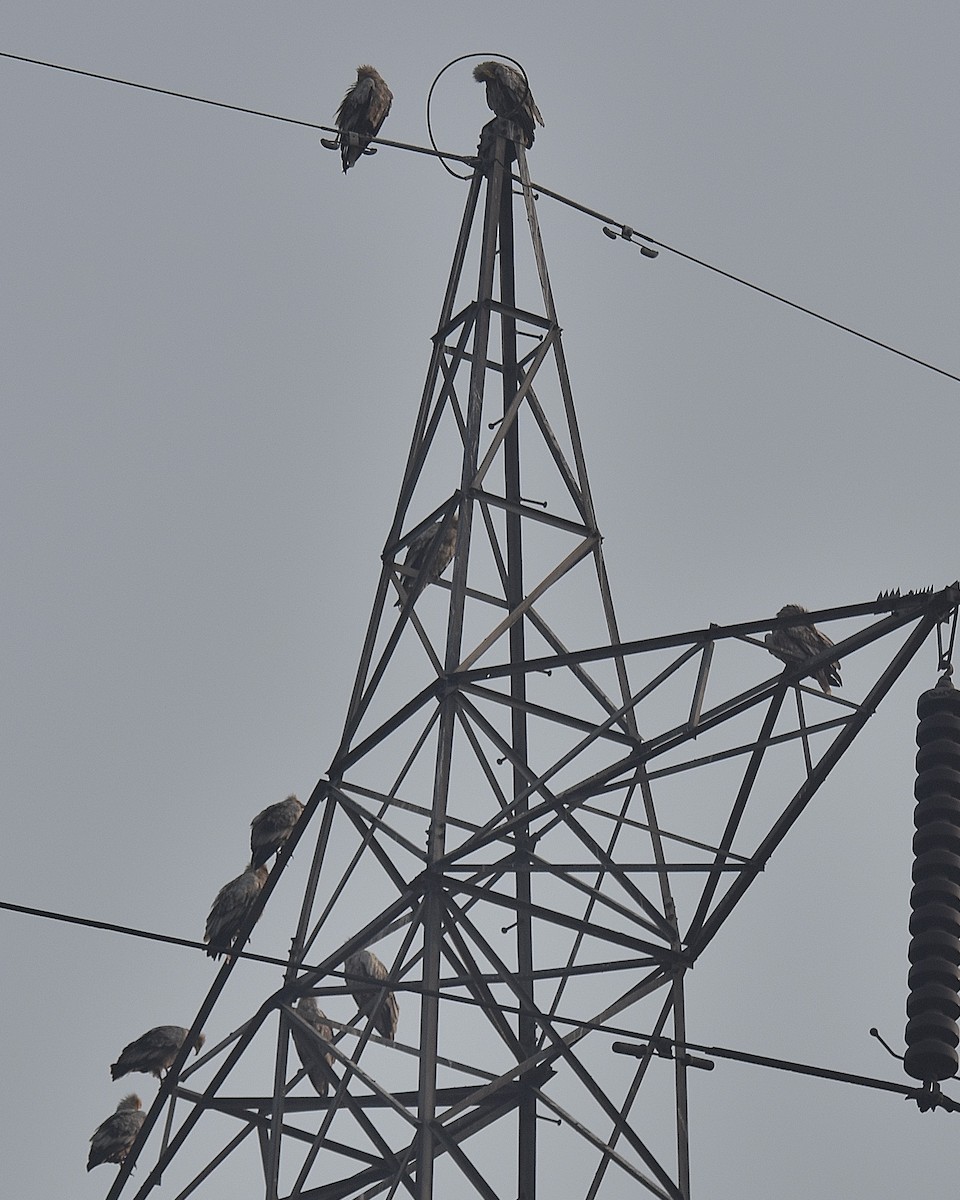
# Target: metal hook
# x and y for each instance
(946, 655)
(875, 1033)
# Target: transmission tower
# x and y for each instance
(536, 826)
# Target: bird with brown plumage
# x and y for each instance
(310, 1051)
(112, 1140)
(271, 828)
(801, 642)
(429, 555)
(361, 113)
(509, 96)
(154, 1051)
(366, 976)
(231, 908)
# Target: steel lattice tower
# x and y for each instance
(516, 818)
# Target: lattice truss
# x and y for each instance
(536, 838)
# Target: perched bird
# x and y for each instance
(271, 828)
(308, 1048)
(362, 111)
(800, 643)
(509, 96)
(423, 553)
(367, 987)
(154, 1052)
(113, 1139)
(230, 909)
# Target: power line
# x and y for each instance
(146, 87)
(661, 1045)
(131, 931)
(629, 234)
(252, 112)
(626, 231)
(927, 1097)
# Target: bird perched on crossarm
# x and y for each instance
(310, 1051)
(430, 556)
(362, 111)
(509, 96)
(112, 1140)
(366, 976)
(271, 828)
(231, 907)
(153, 1052)
(801, 642)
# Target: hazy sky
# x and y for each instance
(215, 345)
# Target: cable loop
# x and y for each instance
(453, 62)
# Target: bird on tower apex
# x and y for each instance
(510, 98)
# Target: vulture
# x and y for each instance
(271, 828)
(113, 1139)
(366, 988)
(423, 553)
(362, 111)
(509, 96)
(308, 1048)
(800, 643)
(230, 909)
(154, 1052)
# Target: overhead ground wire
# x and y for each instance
(627, 231)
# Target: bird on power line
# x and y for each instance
(366, 976)
(429, 555)
(509, 96)
(361, 113)
(311, 1052)
(800, 643)
(271, 828)
(112, 1140)
(153, 1053)
(231, 908)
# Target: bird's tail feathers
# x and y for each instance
(350, 154)
(321, 1085)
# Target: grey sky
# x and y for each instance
(214, 349)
